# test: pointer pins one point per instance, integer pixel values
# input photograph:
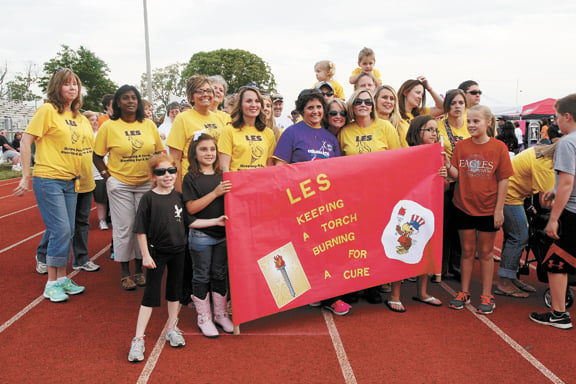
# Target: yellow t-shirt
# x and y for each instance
(129, 145)
(248, 147)
(404, 125)
(531, 176)
(63, 141)
(338, 90)
(225, 118)
(375, 72)
(460, 133)
(379, 136)
(184, 126)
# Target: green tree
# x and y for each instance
(21, 87)
(167, 82)
(92, 71)
(236, 66)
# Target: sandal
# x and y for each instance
(128, 284)
(523, 286)
(430, 300)
(399, 304)
(139, 279)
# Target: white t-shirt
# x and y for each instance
(283, 122)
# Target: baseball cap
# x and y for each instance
(276, 97)
(324, 84)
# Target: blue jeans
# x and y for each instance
(80, 239)
(209, 257)
(56, 201)
(515, 229)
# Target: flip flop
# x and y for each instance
(523, 286)
(430, 301)
(519, 294)
(390, 304)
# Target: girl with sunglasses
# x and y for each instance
(130, 140)
(161, 232)
(412, 103)
(203, 190)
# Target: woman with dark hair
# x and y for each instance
(508, 137)
(412, 103)
(130, 140)
(307, 140)
(201, 95)
(472, 91)
(247, 143)
(64, 142)
(336, 116)
(423, 130)
(453, 127)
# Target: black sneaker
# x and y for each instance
(549, 318)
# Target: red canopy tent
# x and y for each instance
(542, 108)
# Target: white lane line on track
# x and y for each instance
(21, 241)
(22, 210)
(345, 366)
(508, 340)
(41, 298)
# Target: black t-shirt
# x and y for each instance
(3, 142)
(194, 188)
(162, 218)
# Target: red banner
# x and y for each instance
(301, 233)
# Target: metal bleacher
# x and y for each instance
(15, 116)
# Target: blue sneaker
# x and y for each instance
(71, 288)
(55, 293)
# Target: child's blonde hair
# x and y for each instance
(488, 115)
(326, 65)
(366, 52)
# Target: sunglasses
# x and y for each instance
(429, 130)
(328, 94)
(162, 171)
(368, 102)
(336, 113)
(475, 93)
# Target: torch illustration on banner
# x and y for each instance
(281, 266)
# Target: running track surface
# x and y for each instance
(87, 339)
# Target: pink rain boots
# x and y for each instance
(205, 323)
(221, 312)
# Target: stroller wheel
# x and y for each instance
(569, 298)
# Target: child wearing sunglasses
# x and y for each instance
(161, 233)
(203, 190)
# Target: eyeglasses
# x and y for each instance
(475, 93)
(429, 130)
(368, 102)
(162, 171)
(201, 92)
(328, 94)
(336, 113)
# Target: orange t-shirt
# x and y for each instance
(480, 167)
(102, 119)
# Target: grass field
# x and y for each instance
(6, 172)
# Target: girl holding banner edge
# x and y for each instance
(481, 167)
(423, 130)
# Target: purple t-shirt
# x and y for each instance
(300, 142)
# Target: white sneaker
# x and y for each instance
(41, 267)
(89, 266)
(17, 168)
(103, 225)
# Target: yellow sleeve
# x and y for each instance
(225, 141)
(338, 90)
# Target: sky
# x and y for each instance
(518, 51)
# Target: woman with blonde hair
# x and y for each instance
(269, 116)
(387, 108)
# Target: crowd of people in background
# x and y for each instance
(160, 186)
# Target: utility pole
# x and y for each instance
(148, 66)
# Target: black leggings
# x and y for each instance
(175, 263)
